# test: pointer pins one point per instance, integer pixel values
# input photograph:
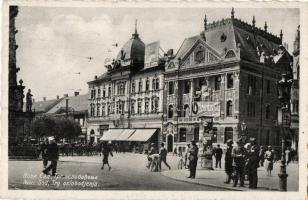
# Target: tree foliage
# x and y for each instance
(45, 126)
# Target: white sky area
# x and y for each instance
(54, 43)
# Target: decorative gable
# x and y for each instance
(200, 53)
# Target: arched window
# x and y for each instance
(228, 134)
(170, 111)
(186, 110)
(98, 113)
(229, 81)
(140, 86)
(108, 109)
(147, 85)
(229, 108)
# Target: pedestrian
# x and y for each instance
(151, 152)
(238, 154)
(218, 155)
(163, 156)
(186, 162)
(43, 151)
(228, 161)
(253, 164)
(261, 155)
(193, 159)
(175, 152)
(53, 156)
(106, 150)
(269, 159)
(288, 156)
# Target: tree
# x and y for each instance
(45, 126)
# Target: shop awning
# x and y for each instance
(111, 134)
(125, 134)
(142, 135)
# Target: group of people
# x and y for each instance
(244, 160)
(155, 158)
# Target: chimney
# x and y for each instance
(44, 98)
(95, 77)
(76, 93)
(58, 97)
(65, 95)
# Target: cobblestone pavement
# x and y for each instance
(128, 173)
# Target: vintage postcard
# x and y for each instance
(144, 100)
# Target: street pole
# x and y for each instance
(284, 96)
(283, 172)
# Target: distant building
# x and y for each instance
(295, 91)
(42, 107)
(222, 84)
(127, 100)
(73, 107)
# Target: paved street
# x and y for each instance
(128, 173)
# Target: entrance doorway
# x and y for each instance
(170, 143)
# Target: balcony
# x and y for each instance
(189, 120)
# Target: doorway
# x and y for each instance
(170, 143)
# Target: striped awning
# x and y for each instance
(125, 134)
(111, 134)
(142, 135)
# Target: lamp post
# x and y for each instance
(284, 87)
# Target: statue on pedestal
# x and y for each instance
(29, 101)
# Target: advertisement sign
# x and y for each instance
(151, 57)
(206, 108)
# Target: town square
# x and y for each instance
(151, 99)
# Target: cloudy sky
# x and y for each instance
(54, 43)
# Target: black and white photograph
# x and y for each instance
(153, 98)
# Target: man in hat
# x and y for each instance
(193, 159)
(238, 155)
(228, 161)
(53, 156)
(253, 164)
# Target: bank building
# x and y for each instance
(219, 85)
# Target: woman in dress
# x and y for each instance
(269, 159)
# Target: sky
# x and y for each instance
(55, 42)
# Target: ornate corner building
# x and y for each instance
(222, 82)
(128, 98)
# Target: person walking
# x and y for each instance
(163, 156)
(43, 150)
(269, 159)
(218, 155)
(238, 154)
(261, 155)
(228, 161)
(106, 151)
(253, 164)
(53, 156)
(193, 159)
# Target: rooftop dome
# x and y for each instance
(133, 50)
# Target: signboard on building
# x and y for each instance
(206, 108)
(151, 57)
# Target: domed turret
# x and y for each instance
(132, 53)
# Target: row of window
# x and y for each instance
(155, 85)
(252, 85)
(103, 93)
(120, 107)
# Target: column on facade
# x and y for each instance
(236, 93)
(191, 96)
(222, 96)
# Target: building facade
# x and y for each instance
(129, 96)
(222, 84)
(295, 91)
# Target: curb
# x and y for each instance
(204, 184)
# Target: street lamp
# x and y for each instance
(284, 87)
